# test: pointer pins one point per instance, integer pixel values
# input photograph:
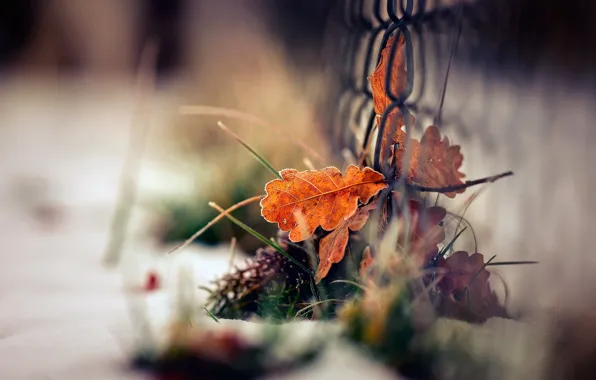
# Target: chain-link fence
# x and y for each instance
(512, 82)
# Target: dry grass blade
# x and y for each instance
(215, 220)
(315, 304)
(226, 112)
(138, 134)
(308, 163)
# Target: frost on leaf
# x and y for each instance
(332, 247)
(303, 201)
(433, 162)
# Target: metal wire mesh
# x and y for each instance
(480, 72)
(432, 31)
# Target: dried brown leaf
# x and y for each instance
(398, 82)
(332, 247)
(398, 74)
(318, 198)
(465, 284)
(433, 161)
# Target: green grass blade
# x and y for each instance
(259, 158)
(211, 314)
(512, 263)
(353, 283)
(448, 246)
(262, 238)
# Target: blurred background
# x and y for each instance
(519, 94)
(261, 58)
(81, 140)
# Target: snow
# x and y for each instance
(64, 314)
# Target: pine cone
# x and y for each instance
(270, 286)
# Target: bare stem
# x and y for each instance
(449, 189)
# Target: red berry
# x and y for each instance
(152, 282)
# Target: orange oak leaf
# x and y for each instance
(433, 161)
(332, 247)
(302, 201)
(398, 81)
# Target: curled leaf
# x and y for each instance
(433, 161)
(398, 74)
(303, 201)
(332, 247)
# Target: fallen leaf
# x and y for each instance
(317, 198)
(433, 162)
(381, 99)
(366, 262)
(425, 232)
(467, 290)
(332, 247)
(461, 270)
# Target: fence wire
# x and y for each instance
(496, 80)
(432, 31)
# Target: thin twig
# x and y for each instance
(215, 220)
(449, 189)
(512, 263)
